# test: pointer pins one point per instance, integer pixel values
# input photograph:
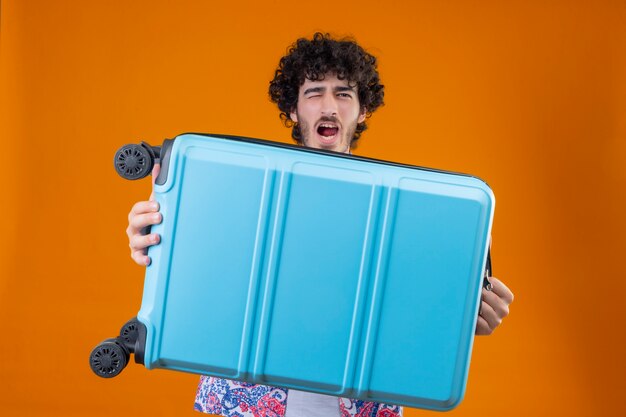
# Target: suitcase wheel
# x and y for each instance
(134, 162)
(109, 358)
(129, 333)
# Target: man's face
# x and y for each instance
(328, 112)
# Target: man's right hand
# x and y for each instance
(141, 216)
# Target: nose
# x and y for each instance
(329, 105)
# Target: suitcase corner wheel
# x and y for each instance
(134, 162)
(111, 356)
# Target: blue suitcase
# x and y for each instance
(307, 269)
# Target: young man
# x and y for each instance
(325, 90)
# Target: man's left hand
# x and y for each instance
(494, 307)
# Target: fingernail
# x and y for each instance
(156, 217)
(154, 205)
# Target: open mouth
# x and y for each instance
(327, 130)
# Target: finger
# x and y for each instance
(141, 221)
(155, 173)
(490, 316)
(482, 327)
(140, 258)
(496, 303)
(143, 207)
(502, 290)
(141, 242)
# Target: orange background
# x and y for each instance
(529, 95)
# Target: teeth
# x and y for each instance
(328, 125)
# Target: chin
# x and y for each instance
(335, 144)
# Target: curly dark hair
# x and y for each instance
(313, 59)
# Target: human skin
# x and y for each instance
(327, 111)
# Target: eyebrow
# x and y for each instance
(321, 89)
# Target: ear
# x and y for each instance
(362, 115)
(293, 116)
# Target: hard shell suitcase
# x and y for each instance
(307, 269)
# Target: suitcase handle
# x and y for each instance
(488, 270)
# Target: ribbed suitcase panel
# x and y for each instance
(319, 272)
